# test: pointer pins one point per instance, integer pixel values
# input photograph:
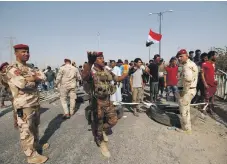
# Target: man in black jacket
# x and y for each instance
(50, 78)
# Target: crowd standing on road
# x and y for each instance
(190, 79)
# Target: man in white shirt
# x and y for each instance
(116, 97)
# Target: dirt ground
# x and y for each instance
(135, 140)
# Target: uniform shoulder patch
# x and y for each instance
(17, 72)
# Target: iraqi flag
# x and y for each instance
(153, 38)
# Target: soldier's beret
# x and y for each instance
(67, 60)
(3, 64)
(95, 53)
(21, 46)
(99, 54)
(183, 51)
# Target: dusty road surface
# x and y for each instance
(135, 140)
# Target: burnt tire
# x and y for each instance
(169, 108)
(120, 112)
(165, 118)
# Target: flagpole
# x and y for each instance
(160, 31)
(160, 14)
(149, 53)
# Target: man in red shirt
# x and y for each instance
(171, 77)
(208, 77)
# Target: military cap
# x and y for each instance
(3, 64)
(21, 46)
(95, 53)
(99, 54)
(183, 51)
(67, 60)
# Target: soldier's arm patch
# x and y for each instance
(15, 77)
(17, 72)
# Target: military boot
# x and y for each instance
(104, 149)
(105, 137)
(36, 158)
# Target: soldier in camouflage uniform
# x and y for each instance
(187, 89)
(5, 93)
(101, 88)
(67, 78)
(4, 87)
(23, 83)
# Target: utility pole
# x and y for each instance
(149, 53)
(160, 14)
(11, 47)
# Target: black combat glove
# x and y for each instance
(91, 57)
(131, 71)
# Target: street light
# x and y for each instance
(160, 14)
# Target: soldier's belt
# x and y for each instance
(181, 88)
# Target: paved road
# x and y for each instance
(137, 140)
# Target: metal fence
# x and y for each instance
(222, 85)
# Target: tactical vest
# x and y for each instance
(102, 84)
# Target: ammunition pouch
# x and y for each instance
(103, 86)
(104, 89)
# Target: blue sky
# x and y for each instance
(58, 30)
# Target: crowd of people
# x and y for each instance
(163, 78)
(190, 79)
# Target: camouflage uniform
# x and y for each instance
(67, 78)
(105, 108)
(25, 101)
(5, 93)
(187, 89)
(98, 84)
